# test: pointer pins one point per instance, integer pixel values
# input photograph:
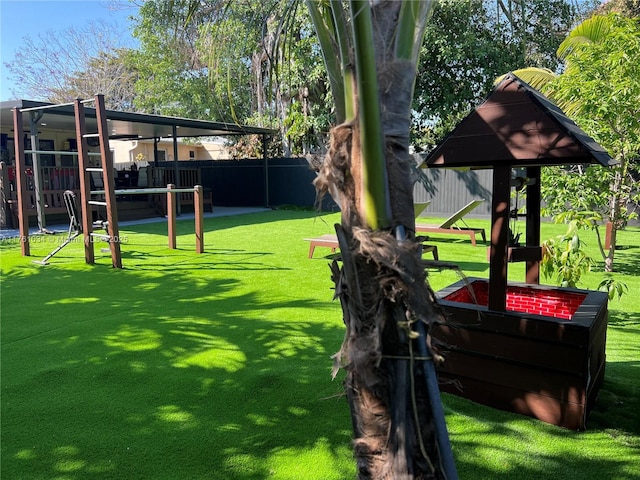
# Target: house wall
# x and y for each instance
(125, 152)
(58, 140)
(141, 152)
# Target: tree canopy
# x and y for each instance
(77, 62)
(468, 44)
(173, 72)
(599, 89)
(223, 61)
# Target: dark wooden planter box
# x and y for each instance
(544, 357)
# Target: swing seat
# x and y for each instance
(75, 226)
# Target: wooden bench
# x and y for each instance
(328, 240)
(331, 241)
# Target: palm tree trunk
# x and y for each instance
(385, 297)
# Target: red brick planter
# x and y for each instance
(543, 357)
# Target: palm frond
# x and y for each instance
(534, 76)
(591, 30)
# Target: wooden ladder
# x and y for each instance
(106, 171)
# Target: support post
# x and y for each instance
(5, 189)
(500, 204)
(171, 216)
(532, 275)
(265, 159)
(21, 183)
(198, 208)
(85, 182)
(176, 168)
(107, 175)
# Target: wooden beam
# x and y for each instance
(500, 206)
(532, 274)
(171, 216)
(198, 209)
(21, 182)
(85, 182)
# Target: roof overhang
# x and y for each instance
(127, 125)
(516, 125)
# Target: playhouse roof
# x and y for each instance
(516, 125)
(128, 125)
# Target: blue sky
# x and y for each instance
(22, 18)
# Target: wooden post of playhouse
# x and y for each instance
(532, 274)
(198, 208)
(171, 216)
(21, 183)
(499, 238)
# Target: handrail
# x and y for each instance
(142, 191)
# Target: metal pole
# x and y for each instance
(265, 159)
(155, 152)
(178, 184)
(198, 207)
(142, 191)
(35, 117)
(46, 107)
(171, 216)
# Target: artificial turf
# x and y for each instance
(217, 366)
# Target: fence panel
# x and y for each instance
(290, 182)
(449, 190)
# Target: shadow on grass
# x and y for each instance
(616, 407)
(471, 266)
(213, 224)
(176, 368)
(620, 318)
(486, 450)
(140, 375)
(627, 262)
(212, 259)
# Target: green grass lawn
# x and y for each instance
(217, 366)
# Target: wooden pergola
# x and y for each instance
(515, 127)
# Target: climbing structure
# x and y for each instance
(105, 170)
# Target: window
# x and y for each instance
(192, 154)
